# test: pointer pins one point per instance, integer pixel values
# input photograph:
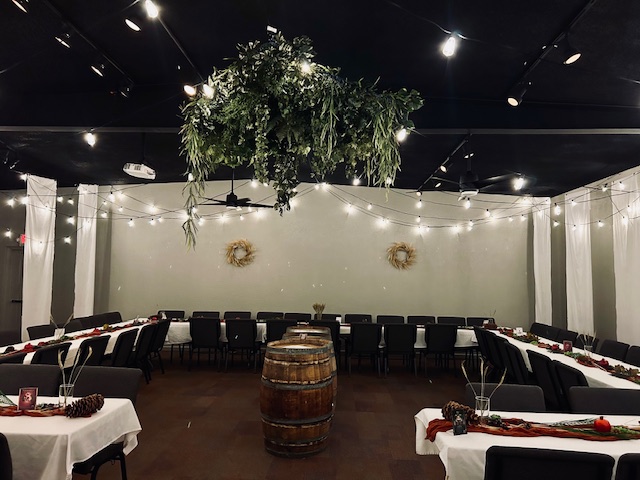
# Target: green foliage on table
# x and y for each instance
(273, 109)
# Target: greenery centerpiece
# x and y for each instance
(274, 108)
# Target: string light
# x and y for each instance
(467, 204)
(60, 199)
(90, 138)
(152, 9)
(369, 207)
(419, 193)
(317, 186)
(573, 203)
(254, 183)
(103, 214)
(152, 222)
(401, 135)
(207, 90)
(523, 218)
(556, 223)
(510, 219)
(189, 89)
(419, 204)
(160, 219)
(600, 224)
(67, 240)
(8, 233)
(23, 177)
(355, 181)
(24, 200)
(450, 45)
(71, 220)
(418, 219)
(487, 213)
(11, 202)
(131, 223)
(70, 201)
(625, 221)
(556, 209)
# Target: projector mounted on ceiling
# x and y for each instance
(139, 170)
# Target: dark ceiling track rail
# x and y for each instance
(461, 144)
(89, 42)
(523, 79)
(181, 48)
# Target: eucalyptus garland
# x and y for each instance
(274, 109)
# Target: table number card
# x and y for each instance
(27, 398)
(567, 346)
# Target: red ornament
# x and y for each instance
(602, 425)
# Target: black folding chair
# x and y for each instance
(241, 337)
(49, 355)
(40, 331)
(508, 397)
(421, 319)
(448, 320)
(613, 349)
(98, 345)
(6, 465)
(205, 334)
(604, 401)
(385, 319)
(365, 340)
(15, 376)
(628, 467)
(547, 379)
(399, 339)
(123, 349)
(441, 340)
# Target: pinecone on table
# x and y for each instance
(85, 407)
(450, 407)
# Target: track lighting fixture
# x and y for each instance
(151, 8)
(98, 67)
(190, 90)
(517, 93)
(569, 53)
(22, 5)
(133, 22)
(207, 90)
(64, 39)
(126, 88)
(450, 45)
(90, 138)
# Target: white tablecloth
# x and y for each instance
(179, 333)
(463, 456)
(75, 344)
(596, 377)
(46, 448)
(464, 339)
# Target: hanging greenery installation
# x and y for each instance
(273, 109)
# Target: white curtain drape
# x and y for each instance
(626, 259)
(579, 274)
(542, 260)
(37, 276)
(85, 273)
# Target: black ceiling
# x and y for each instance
(577, 123)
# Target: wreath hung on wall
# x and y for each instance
(240, 253)
(401, 255)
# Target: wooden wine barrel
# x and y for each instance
(297, 396)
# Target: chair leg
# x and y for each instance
(123, 466)
(160, 361)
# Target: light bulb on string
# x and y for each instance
(254, 183)
(24, 200)
(242, 218)
(574, 228)
(369, 207)
(120, 209)
(355, 181)
(90, 138)
(160, 220)
(401, 135)
(600, 224)
(621, 185)
(487, 213)
(60, 199)
(556, 223)
(557, 210)
(103, 214)
(131, 223)
(573, 203)
(152, 222)
(67, 240)
(450, 45)
(523, 218)
(418, 219)
(71, 220)
(70, 201)
(8, 233)
(625, 220)
(11, 202)
(467, 203)
(419, 203)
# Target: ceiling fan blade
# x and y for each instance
(485, 182)
(213, 201)
(446, 180)
(243, 201)
(258, 205)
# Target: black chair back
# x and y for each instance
(277, 328)
(98, 346)
(633, 355)
(547, 378)
(501, 463)
(519, 371)
(160, 336)
(421, 319)
(334, 327)
(545, 331)
(358, 318)
(241, 334)
(385, 319)
(496, 358)
(479, 321)
(365, 338)
(235, 314)
(6, 465)
(330, 316)
(628, 467)
(441, 338)
(564, 335)
(446, 320)
(508, 397)
(49, 355)
(111, 382)
(15, 376)
(122, 350)
(9, 337)
(569, 377)
(604, 401)
(13, 358)
(40, 331)
(170, 314)
(142, 350)
(269, 315)
(399, 339)
(74, 325)
(205, 314)
(613, 349)
(299, 317)
(205, 332)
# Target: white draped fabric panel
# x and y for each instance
(85, 251)
(39, 249)
(626, 259)
(542, 260)
(579, 274)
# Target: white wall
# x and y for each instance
(318, 253)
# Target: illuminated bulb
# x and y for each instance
(467, 204)
(305, 67)
(8, 233)
(254, 183)
(470, 225)
(556, 223)
(194, 210)
(487, 213)
(418, 219)
(242, 218)
(518, 183)
(456, 228)
(401, 135)
(574, 228)
(250, 209)
(201, 220)
(259, 213)
(153, 208)
(71, 220)
(60, 199)
(190, 177)
(239, 208)
(557, 210)
(90, 138)
(621, 185)
(207, 90)
(355, 181)
(152, 222)
(189, 90)
(604, 187)
(388, 181)
(265, 184)
(386, 220)
(369, 207)
(317, 186)
(11, 202)
(67, 239)
(573, 203)
(443, 168)
(111, 197)
(151, 8)
(120, 194)
(293, 202)
(325, 185)
(23, 177)
(600, 224)
(103, 214)
(120, 209)
(523, 218)
(449, 47)
(160, 220)
(24, 200)
(131, 223)
(438, 184)
(625, 220)
(70, 201)
(419, 204)
(419, 193)
(349, 207)
(511, 219)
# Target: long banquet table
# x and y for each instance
(45, 448)
(463, 456)
(75, 343)
(596, 377)
(465, 338)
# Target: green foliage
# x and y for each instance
(271, 112)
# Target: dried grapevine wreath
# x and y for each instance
(240, 260)
(401, 255)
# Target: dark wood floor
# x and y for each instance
(205, 424)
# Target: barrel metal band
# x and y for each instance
(294, 424)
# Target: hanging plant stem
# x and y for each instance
(274, 109)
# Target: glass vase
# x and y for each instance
(482, 408)
(65, 394)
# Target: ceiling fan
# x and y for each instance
(233, 202)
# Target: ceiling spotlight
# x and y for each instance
(518, 183)
(569, 53)
(469, 155)
(271, 29)
(22, 5)
(355, 181)
(449, 47)
(517, 93)
(443, 168)
(99, 67)
(126, 88)
(63, 39)
(151, 8)
(207, 90)
(189, 90)
(438, 185)
(90, 138)
(133, 22)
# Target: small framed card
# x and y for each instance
(27, 398)
(459, 421)
(567, 346)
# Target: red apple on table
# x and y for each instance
(602, 425)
